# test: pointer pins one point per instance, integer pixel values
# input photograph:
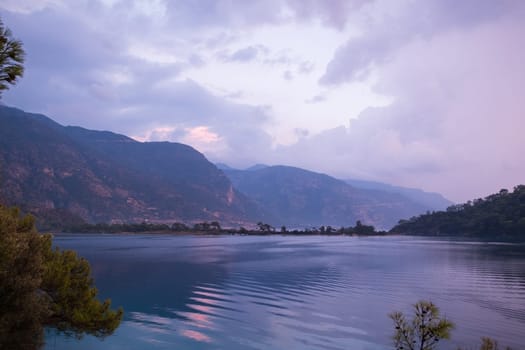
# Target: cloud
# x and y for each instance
(334, 13)
(246, 54)
(186, 112)
(244, 14)
(305, 67)
(316, 99)
(102, 85)
(287, 75)
(26, 6)
(201, 134)
(299, 132)
(208, 73)
(387, 26)
(456, 121)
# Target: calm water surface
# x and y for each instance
(273, 292)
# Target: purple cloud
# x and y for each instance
(389, 26)
(453, 70)
(454, 125)
(316, 99)
(247, 54)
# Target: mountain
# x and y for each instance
(226, 167)
(297, 197)
(257, 167)
(433, 201)
(67, 174)
(223, 166)
(500, 215)
(100, 176)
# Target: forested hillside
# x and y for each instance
(498, 215)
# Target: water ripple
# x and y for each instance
(328, 293)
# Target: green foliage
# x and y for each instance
(358, 229)
(21, 269)
(427, 328)
(214, 227)
(74, 308)
(41, 286)
(499, 215)
(264, 227)
(11, 58)
(488, 344)
(423, 331)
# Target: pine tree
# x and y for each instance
(424, 331)
(12, 57)
(45, 287)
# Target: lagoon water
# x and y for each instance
(285, 292)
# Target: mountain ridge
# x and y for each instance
(433, 200)
(295, 196)
(70, 174)
(103, 176)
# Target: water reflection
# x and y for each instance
(298, 292)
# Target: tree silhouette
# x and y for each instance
(12, 57)
(425, 329)
(44, 287)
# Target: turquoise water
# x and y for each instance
(275, 292)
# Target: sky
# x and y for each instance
(427, 94)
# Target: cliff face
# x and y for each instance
(101, 176)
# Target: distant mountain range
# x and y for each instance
(431, 200)
(69, 174)
(299, 197)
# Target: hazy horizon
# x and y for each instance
(417, 94)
